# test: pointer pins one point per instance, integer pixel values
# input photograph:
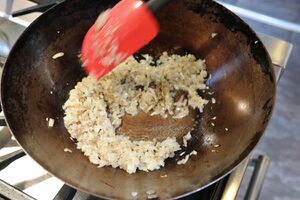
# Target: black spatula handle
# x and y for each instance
(156, 5)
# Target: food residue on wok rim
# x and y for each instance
(184, 160)
(213, 100)
(186, 138)
(68, 150)
(58, 55)
(151, 194)
(134, 194)
(164, 176)
(214, 35)
(193, 153)
(50, 122)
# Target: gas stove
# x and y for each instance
(21, 178)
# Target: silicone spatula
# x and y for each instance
(118, 33)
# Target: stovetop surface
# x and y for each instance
(215, 190)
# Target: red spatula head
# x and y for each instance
(116, 35)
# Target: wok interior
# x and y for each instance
(241, 79)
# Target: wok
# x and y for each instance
(242, 80)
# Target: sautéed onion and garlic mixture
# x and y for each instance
(95, 109)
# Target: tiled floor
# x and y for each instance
(282, 139)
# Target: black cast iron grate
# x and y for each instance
(7, 191)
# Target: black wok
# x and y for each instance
(242, 80)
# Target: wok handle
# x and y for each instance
(261, 165)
